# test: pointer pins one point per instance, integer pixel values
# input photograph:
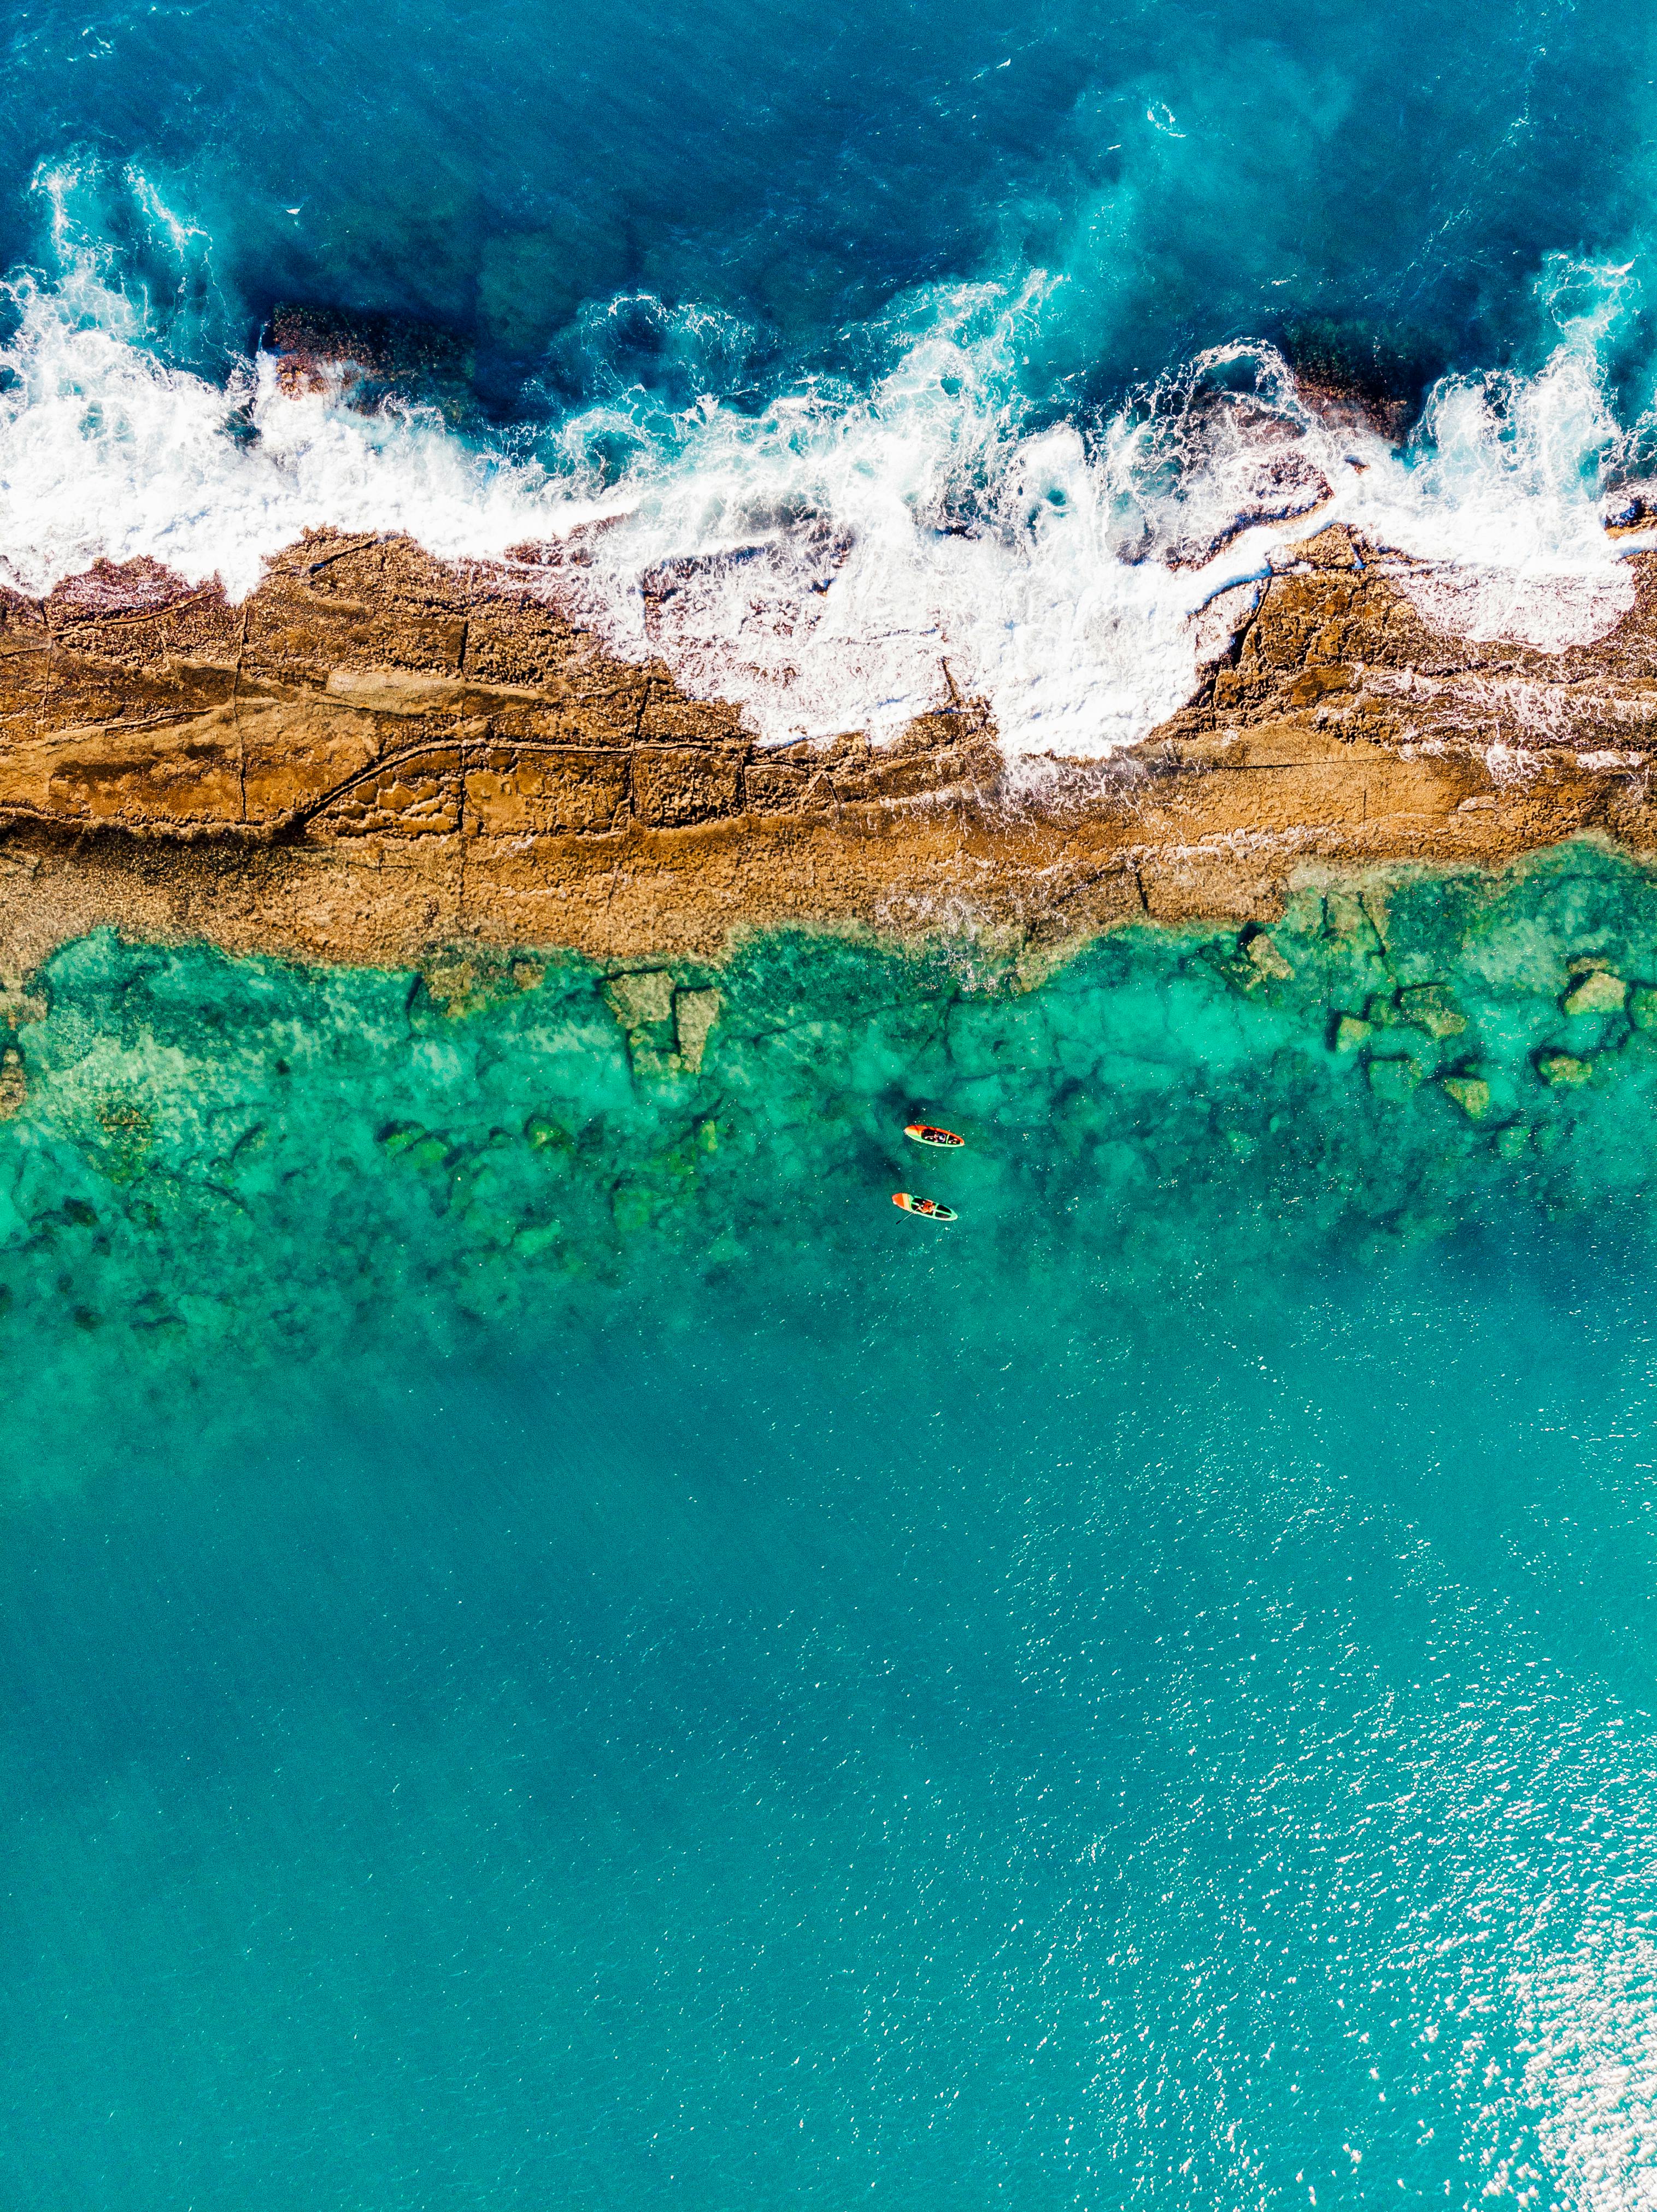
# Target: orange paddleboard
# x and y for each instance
(924, 1134)
(928, 1207)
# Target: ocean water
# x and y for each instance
(965, 343)
(559, 1649)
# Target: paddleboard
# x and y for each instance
(928, 1207)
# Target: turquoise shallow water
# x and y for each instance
(560, 1650)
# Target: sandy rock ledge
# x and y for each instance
(378, 754)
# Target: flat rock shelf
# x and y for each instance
(378, 754)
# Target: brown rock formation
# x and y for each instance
(377, 754)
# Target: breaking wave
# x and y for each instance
(842, 557)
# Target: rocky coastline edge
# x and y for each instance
(378, 757)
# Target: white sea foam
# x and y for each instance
(843, 560)
(1501, 496)
(105, 453)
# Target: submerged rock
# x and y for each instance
(1429, 1006)
(13, 1083)
(377, 356)
(1394, 1080)
(1566, 1068)
(642, 1000)
(1597, 992)
(695, 1014)
(1471, 1092)
(1263, 957)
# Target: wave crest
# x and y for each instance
(839, 558)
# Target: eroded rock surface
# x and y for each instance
(377, 753)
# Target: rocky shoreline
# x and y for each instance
(378, 755)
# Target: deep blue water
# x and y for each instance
(1197, 174)
(558, 1649)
